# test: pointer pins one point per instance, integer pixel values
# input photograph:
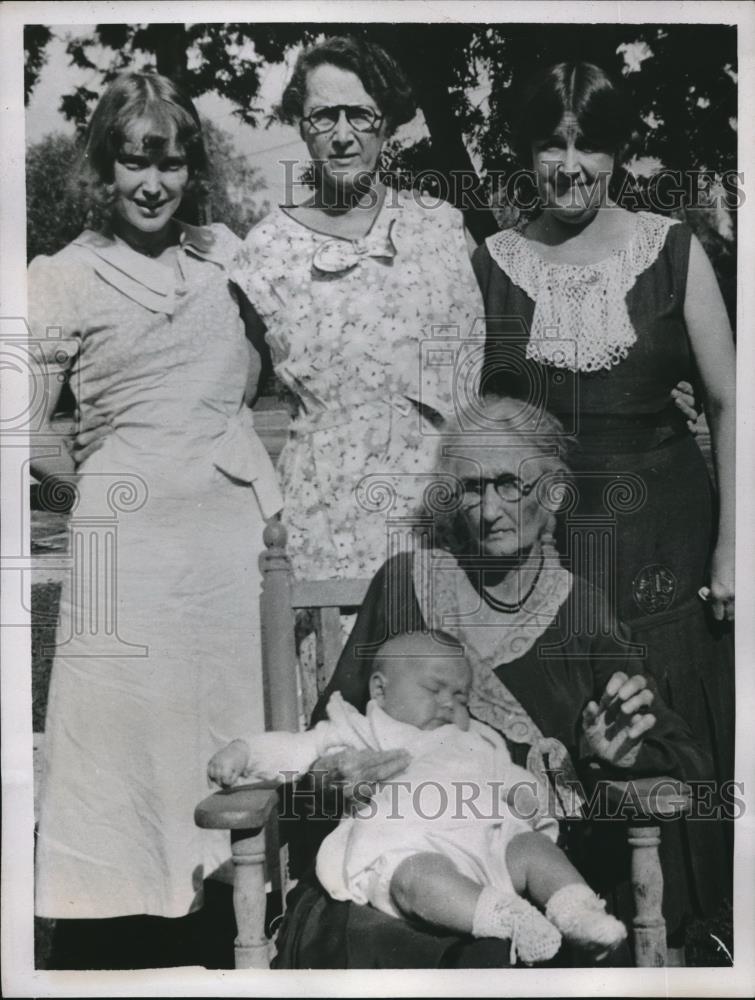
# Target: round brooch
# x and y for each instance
(654, 588)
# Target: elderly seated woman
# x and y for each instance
(552, 672)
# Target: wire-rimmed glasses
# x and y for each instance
(507, 487)
(359, 116)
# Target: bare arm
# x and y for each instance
(713, 346)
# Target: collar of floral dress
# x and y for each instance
(149, 282)
(336, 256)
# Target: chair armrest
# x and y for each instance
(659, 798)
(245, 807)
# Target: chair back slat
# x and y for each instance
(328, 593)
(330, 642)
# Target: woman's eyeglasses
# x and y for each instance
(509, 488)
(359, 117)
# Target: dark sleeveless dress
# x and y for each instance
(642, 526)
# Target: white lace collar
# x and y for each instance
(449, 602)
(581, 320)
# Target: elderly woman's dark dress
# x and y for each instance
(553, 680)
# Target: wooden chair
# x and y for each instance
(248, 811)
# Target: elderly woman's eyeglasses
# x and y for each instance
(359, 117)
(509, 488)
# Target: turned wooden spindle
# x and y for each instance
(251, 947)
(245, 811)
(278, 642)
(643, 802)
(647, 888)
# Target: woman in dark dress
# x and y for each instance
(596, 312)
(571, 700)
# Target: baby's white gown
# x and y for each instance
(461, 796)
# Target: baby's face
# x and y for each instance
(426, 690)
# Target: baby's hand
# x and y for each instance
(228, 765)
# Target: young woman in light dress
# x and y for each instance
(150, 681)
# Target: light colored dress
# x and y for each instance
(157, 661)
(460, 796)
(360, 331)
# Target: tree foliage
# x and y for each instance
(36, 38)
(56, 211)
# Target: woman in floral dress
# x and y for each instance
(367, 300)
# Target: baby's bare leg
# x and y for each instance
(430, 887)
(538, 867)
(541, 869)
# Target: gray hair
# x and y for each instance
(496, 421)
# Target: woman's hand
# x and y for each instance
(683, 396)
(91, 431)
(229, 764)
(357, 772)
(614, 727)
(722, 584)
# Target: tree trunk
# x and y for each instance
(426, 60)
(169, 43)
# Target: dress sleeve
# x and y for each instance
(456, 244)
(670, 748)
(253, 270)
(285, 757)
(227, 243)
(54, 322)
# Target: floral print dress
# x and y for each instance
(376, 340)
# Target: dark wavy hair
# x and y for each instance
(603, 111)
(171, 114)
(496, 421)
(378, 72)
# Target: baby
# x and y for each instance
(456, 838)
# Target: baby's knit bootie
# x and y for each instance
(581, 917)
(505, 915)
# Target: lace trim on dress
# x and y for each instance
(581, 321)
(450, 603)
